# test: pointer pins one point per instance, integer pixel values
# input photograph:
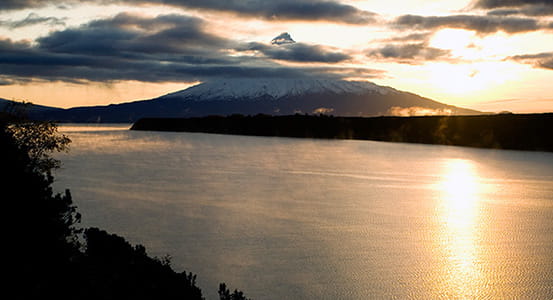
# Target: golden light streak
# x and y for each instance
(459, 215)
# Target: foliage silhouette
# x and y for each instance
(111, 266)
(225, 294)
(46, 256)
(42, 239)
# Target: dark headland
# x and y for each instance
(502, 131)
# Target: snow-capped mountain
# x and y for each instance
(267, 96)
(232, 89)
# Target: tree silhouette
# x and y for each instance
(41, 236)
(46, 256)
(225, 294)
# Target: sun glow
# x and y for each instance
(460, 42)
(471, 69)
(467, 79)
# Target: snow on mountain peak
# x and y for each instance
(229, 89)
(283, 39)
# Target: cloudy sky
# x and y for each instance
(490, 55)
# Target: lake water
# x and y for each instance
(283, 218)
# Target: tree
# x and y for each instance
(225, 294)
(45, 258)
(40, 232)
(114, 269)
(39, 140)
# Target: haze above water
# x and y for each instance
(283, 218)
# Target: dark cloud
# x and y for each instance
(540, 60)
(74, 69)
(310, 10)
(297, 52)
(165, 48)
(545, 55)
(504, 12)
(127, 34)
(27, 62)
(306, 53)
(414, 53)
(32, 19)
(20, 4)
(510, 3)
(513, 7)
(481, 24)
(413, 37)
(532, 10)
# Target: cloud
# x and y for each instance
(5, 81)
(306, 53)
(413, 53)
(512, 7)
(32, 19)
(283, 47)
(20, 4)
(510, 3)
(540, 60)
(283, 38)
(297, 52)
(503, 12)
(309, 10)
(481, 24)
(33, 63)
(413, 37)
(532, 10)
(173, 48)
(167, 38)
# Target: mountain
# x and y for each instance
(30, 109)
(267, 96)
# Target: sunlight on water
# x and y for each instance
(71, 127)
(459, 213)
(322, 219)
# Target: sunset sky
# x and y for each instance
(488, 55)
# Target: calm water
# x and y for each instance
(322, 219)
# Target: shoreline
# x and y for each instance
(531, 132)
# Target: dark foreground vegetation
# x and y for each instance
(47, 255)
(503, 131)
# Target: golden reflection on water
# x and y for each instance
(69, 127)
(459, 218)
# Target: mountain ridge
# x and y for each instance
(272, 96)
(277, 88)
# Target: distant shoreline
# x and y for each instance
(532, 132)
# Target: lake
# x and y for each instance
(285, 218)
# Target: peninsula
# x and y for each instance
(501, 131)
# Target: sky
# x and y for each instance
(489, 55)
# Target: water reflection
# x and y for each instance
(459, 216)
(100, 127)
(310, 219)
